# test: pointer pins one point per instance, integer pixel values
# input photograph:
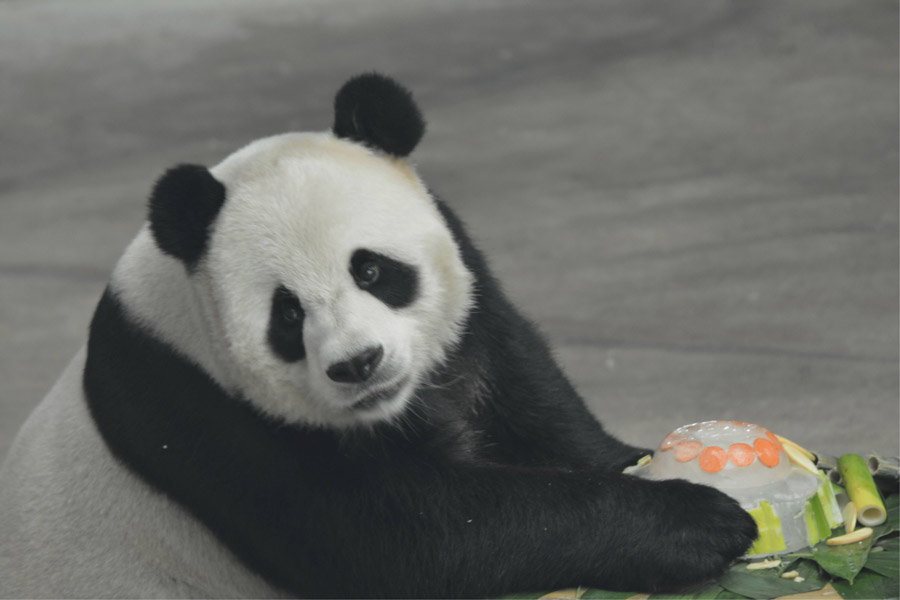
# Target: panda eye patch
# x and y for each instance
(393, 282)
(289, 309)
(286, 326)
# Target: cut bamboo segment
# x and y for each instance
(798, 458)
(771, 537)
(849, 517)
(786, 442)
(835, 476)
(848, 538)
(880, 466)
(825, 462)
(766, 564)
(861, 489)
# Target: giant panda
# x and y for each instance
(303, 380)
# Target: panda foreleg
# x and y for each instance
(468, 532)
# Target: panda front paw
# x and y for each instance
(702, 531)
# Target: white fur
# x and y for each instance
(298, 206)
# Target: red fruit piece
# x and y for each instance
(767, 452)
(713, 459)
(741, 454)
(685, 451)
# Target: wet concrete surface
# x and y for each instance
(697, 201)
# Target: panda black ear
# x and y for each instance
(183, 205)
(378, 112)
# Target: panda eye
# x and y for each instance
(286, 326)
(290, 314)
(393, 282)
(289, 310)
(368, 273)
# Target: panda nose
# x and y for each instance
(357, 369)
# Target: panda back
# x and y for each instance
(74, 522)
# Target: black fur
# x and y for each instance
(499, 481)
(183, 205)
(398, 283)
(286, 326)
(377, 111)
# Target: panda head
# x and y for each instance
(326, 278)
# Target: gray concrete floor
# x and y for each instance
(698, 201)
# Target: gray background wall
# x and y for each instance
(697, 201)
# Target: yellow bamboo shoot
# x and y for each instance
(862, 491)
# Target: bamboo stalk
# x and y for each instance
(880, 466)
(825, 462)
(861, 488)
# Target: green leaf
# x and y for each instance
(810, 572)
(804, 553)
(868, 586)
(524, 596)
(768, 583)
(707, 591)
(892, 523)
(844, 561)
(885, 563)
(891, 544)
(604, 594)
(892, 501)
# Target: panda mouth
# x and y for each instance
(375, 397)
